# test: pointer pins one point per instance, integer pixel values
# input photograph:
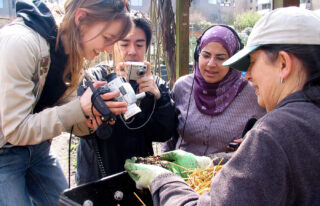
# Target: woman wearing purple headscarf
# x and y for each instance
(214, 103)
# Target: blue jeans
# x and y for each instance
(30, 174)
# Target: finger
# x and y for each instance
(110, 95)
(95, 123)
(230, 148)
(148, 86)
(144, 82)
(95, 113)
(141, 80)
(145, 89)
(128, 165)
(117, 111)
(152, 91)
(174, 169)
(129, 161)
(167, 156)
(146, 79)
(98, 121)
(134, 159)
(115, 104)
(138, 186)
(148, 73)
(131, 167)
(99, 84)
(135, 177)
(89, 123)
(175, 155)
(238, 140)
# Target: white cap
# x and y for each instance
(290, 25)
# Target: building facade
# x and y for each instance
(7, 9)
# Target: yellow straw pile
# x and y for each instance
(200, 179)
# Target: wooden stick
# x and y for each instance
(214, 171)
(177, 165)
(221, 161)
(139, 199)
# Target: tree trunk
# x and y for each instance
(168, 33)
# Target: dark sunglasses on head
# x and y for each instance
(118, 5)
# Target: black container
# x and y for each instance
(107, 191)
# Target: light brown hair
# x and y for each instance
(97, 11)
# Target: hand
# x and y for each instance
(93, 123)
(147, 83)
(114, 106)
(184, 160)
(234, 145)
(143, 174)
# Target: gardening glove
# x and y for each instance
(183, 161)
(143, 174)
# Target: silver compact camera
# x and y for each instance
(136, 70)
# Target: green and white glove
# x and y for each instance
(143, 174)
(184, 160)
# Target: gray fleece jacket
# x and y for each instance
(277, 164)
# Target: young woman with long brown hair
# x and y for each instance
(41, 65)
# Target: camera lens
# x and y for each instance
(141, 72)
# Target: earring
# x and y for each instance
(281, 80)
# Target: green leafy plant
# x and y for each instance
(246, 19)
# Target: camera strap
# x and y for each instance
(98, 102)
(142, 125)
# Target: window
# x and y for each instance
(256, 8)
(265, 6)
(212, 1)
(1, 4)
(250, 1)
(136, 3)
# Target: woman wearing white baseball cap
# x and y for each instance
(278, 163)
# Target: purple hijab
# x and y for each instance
(214, 98)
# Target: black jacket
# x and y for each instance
(111, 152)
